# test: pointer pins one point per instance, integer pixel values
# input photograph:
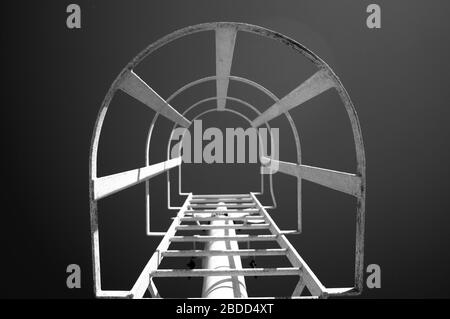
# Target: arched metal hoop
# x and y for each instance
(324, 79)
(200, 81)
(195, 105)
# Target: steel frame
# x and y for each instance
(324, 79)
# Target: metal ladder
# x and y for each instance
(250, 215)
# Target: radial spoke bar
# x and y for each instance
(208, 227)
(340, 181)
(226, 272)
(225, 40)
(239, 252)
(137, 88)
(198, 238)
(315, 85)
(108, 185)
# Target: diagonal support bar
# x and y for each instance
(299, 288)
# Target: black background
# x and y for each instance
(55, 79)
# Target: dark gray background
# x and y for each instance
(56, 79)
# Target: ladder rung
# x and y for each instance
(239, 252)
(208, 227)
(220, 196)
(225, 200)
(230, 226)
(229, 211)
(200, 238)
(210, 219)
(219, 205)
(226, 272)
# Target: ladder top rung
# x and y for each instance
(215, 211)
(288, 271)
(225, 200)
(214, 218)
(244, 205)
(221, 196)
(232, 226)
(231, 252)
(200, 238)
